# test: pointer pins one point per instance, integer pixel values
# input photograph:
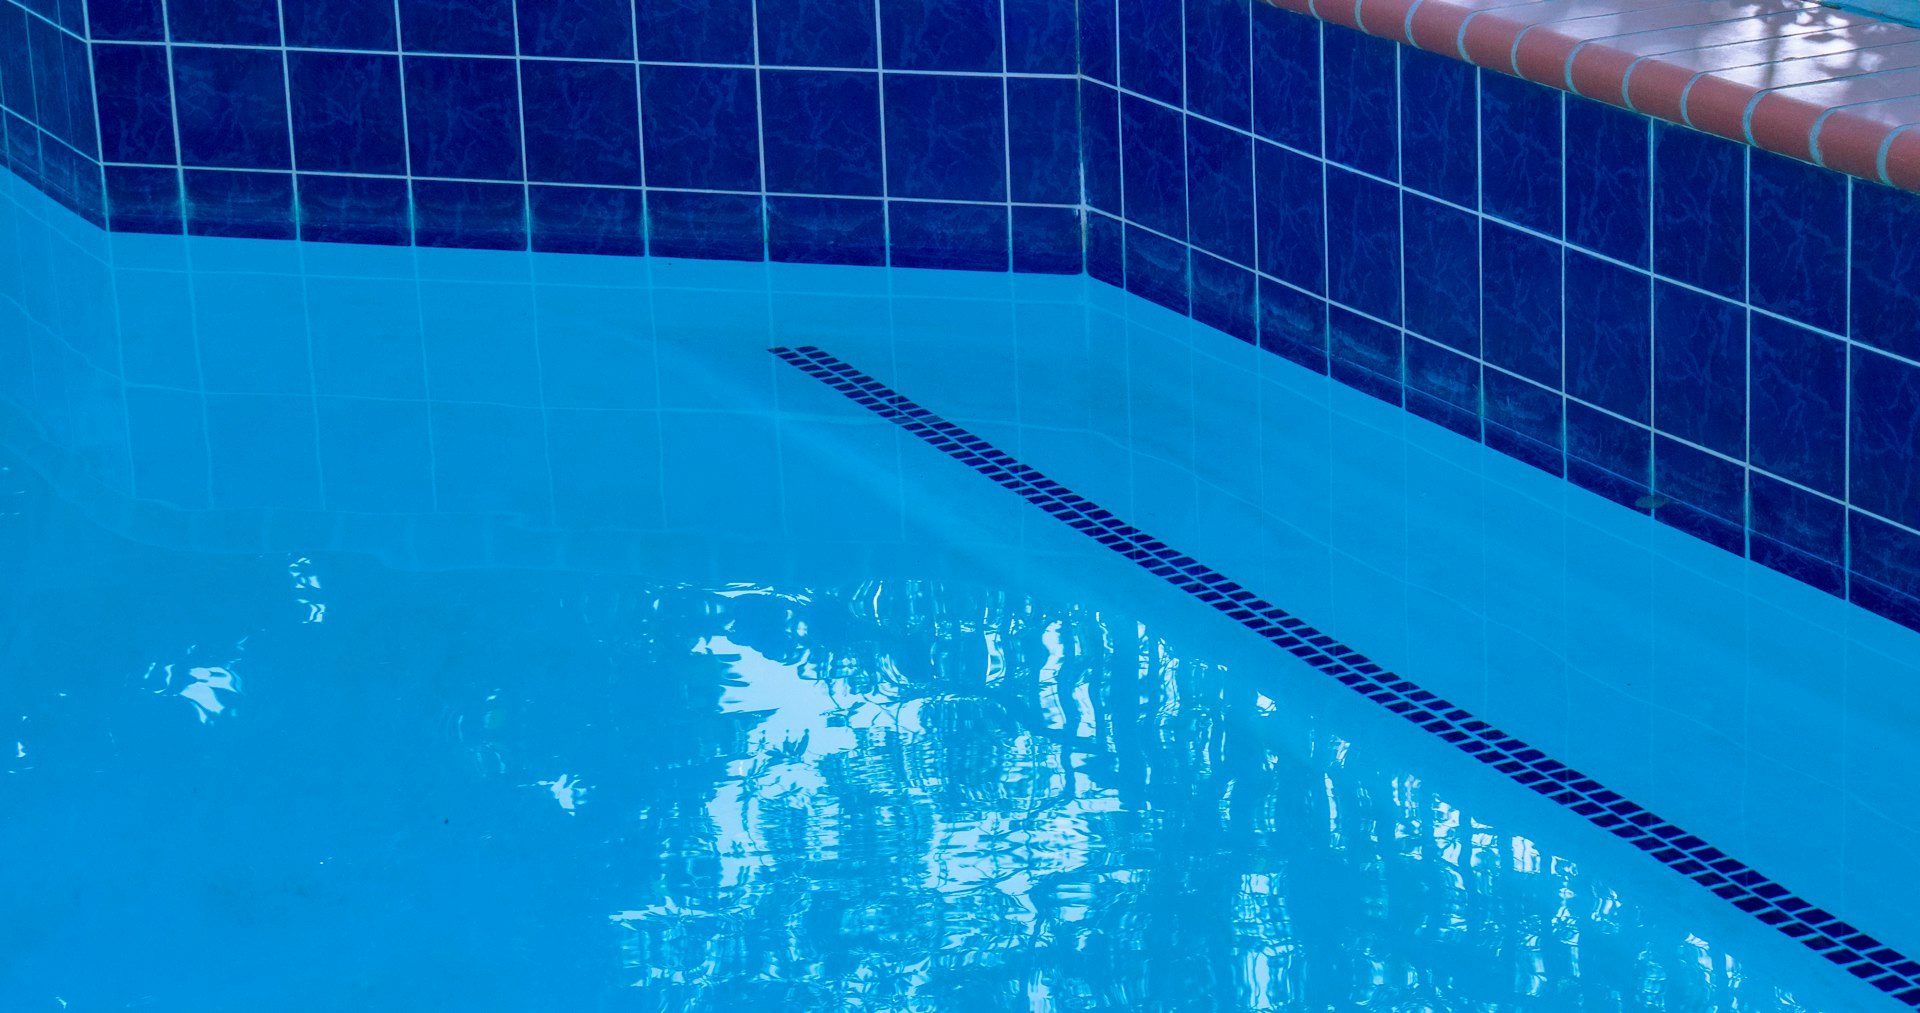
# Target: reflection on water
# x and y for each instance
(908, 796)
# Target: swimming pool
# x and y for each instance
(401, 628)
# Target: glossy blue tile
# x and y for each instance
(480, 216)
(1290, 219)
(135, 103)
(1223, 296)
(1608, 455)
(347, 112)
(1157, 269)
(1797, 533)
(1524, 420)
(1700, 368)
(1885, 444)
(1293, 325)
(1440, 104)
(1363, 244)
(1520, 303)
(479, 341)
(1099, 41)
(1152, 39)
(1362, 112)
(1100, 151)
(231, 107)
(248, 205)
(946, 137)
(1440, 373)
(341, 24)
(1609, 180)
(582, 122)
(1106, 250)
(132, 20)
(261, 451)
(696, 31)
(581, 29)
(1046, 240)
(377, 455)
(1220, 191)
(961, 35)
(701, 127)
(1153, 161)
(587, 492)
(814, 230)
(463, 117)
(81, 119)
(1699, 209)
(1520, 132)
(960, 237)
(1286, 77)
(1364, 354)
(1219, 67)
(1043, 138)
(49, 71)
(1699, 479)
(1800, 225)
(16, 69)
(586, 219)
(355, 209)
(1886, 269)
(225, 22)
(489, 458)
(1443, 273)
(711, 226)
(1884, 554)
(457, 26)
(818, 33)
(1040, 36)
(1798, 391)
(143, 199)
(1609, 335)
(1884, 601)
(168, 437)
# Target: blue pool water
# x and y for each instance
(414, 629)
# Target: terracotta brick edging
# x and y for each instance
(1837, 89)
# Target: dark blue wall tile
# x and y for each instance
(231, 107)
(1362, 110)
(168, 436)
(821, 132)
(946, 137)
(1608, 455)
(1609, 339)
(1220, 190)
(1153, 157)
(696, 31)
(1884, 601)
(1699, 209)
(16, 70)
(1365, 354)
(1363, 244)
(457, 26)
(81, 132)
(1798, 392)
(1886, 437)
(49, 70)
(1520, 179)
(1157, 269)
(584, 29)
(586, 219)
(1886, 269)
(1046, 240)
(1441, 373)
(701, 127)
(1223, 296)
(1800, 228)
(1040, 36)
(1100, 151)
(341, 24)
(1106, 250)
(940, 35)
(1290, 218)
(1443, 273)
(132, 20)
(711, 226)
(582, 122)
(1286, 77)
(463, 117)
(1797, 533)
(813, 230)
(1524, 420)
(818, 33)
(377, 455)
(225, 22)
(1520, 301)
(1885, 554)
(1293, 325)
(1608, 180)
(355, 209)
(1151, 43)
(248, 205)
(1699, 479)
(1043, 134)
(1219, 71)
(1700, 368)
(960, 237)
(263, 452)
(1099, 41)
(347, 113)
(479, 216)
(143, 200)
(135, 103)
(1440, 104)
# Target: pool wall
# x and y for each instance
(1606, 296)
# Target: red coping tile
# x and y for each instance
(1435, 25)
(1659, 85)
(1544, 53)
(1296, 6)
(1900, 162)
(1386, 18)
(1339, 12)
(1850, 139)
(1601, 67)
(1718, 103)
(1488, 37)
(1784, 120)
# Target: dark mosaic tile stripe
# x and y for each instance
(1730, 879)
